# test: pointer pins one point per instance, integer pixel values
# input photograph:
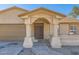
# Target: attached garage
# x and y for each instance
(11, 26)
(12, 31)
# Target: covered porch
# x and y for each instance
(42, 24)
(39, 30)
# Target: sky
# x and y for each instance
(61, 8)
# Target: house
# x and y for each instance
(38, 24)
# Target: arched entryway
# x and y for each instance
(41, 29)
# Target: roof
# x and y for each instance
(42, 9)
(69, 20)
(14, 7)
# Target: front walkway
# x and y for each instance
(41, 48)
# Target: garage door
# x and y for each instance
(12, 31)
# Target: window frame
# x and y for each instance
(73, 29)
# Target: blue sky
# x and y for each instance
(61, 8)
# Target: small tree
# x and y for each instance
(75, 12)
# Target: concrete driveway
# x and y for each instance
(16, 48)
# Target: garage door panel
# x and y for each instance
(11, 30)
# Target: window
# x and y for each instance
(73, 29)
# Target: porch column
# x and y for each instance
(28, 43)
(55, 41)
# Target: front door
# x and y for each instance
(38, 30)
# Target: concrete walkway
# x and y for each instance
(39, 49)
(44, 50)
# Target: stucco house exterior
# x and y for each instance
(38, 24)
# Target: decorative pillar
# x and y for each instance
(55, 41)
(28, 43)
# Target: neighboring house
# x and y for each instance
(38, 25)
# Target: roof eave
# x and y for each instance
(41, 9)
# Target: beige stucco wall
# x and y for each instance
(11, 17)
(77, 25)
(70, 40)
(46, 31)
(64, 29)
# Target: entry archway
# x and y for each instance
(41, 29)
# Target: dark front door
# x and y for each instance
(38, 30)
